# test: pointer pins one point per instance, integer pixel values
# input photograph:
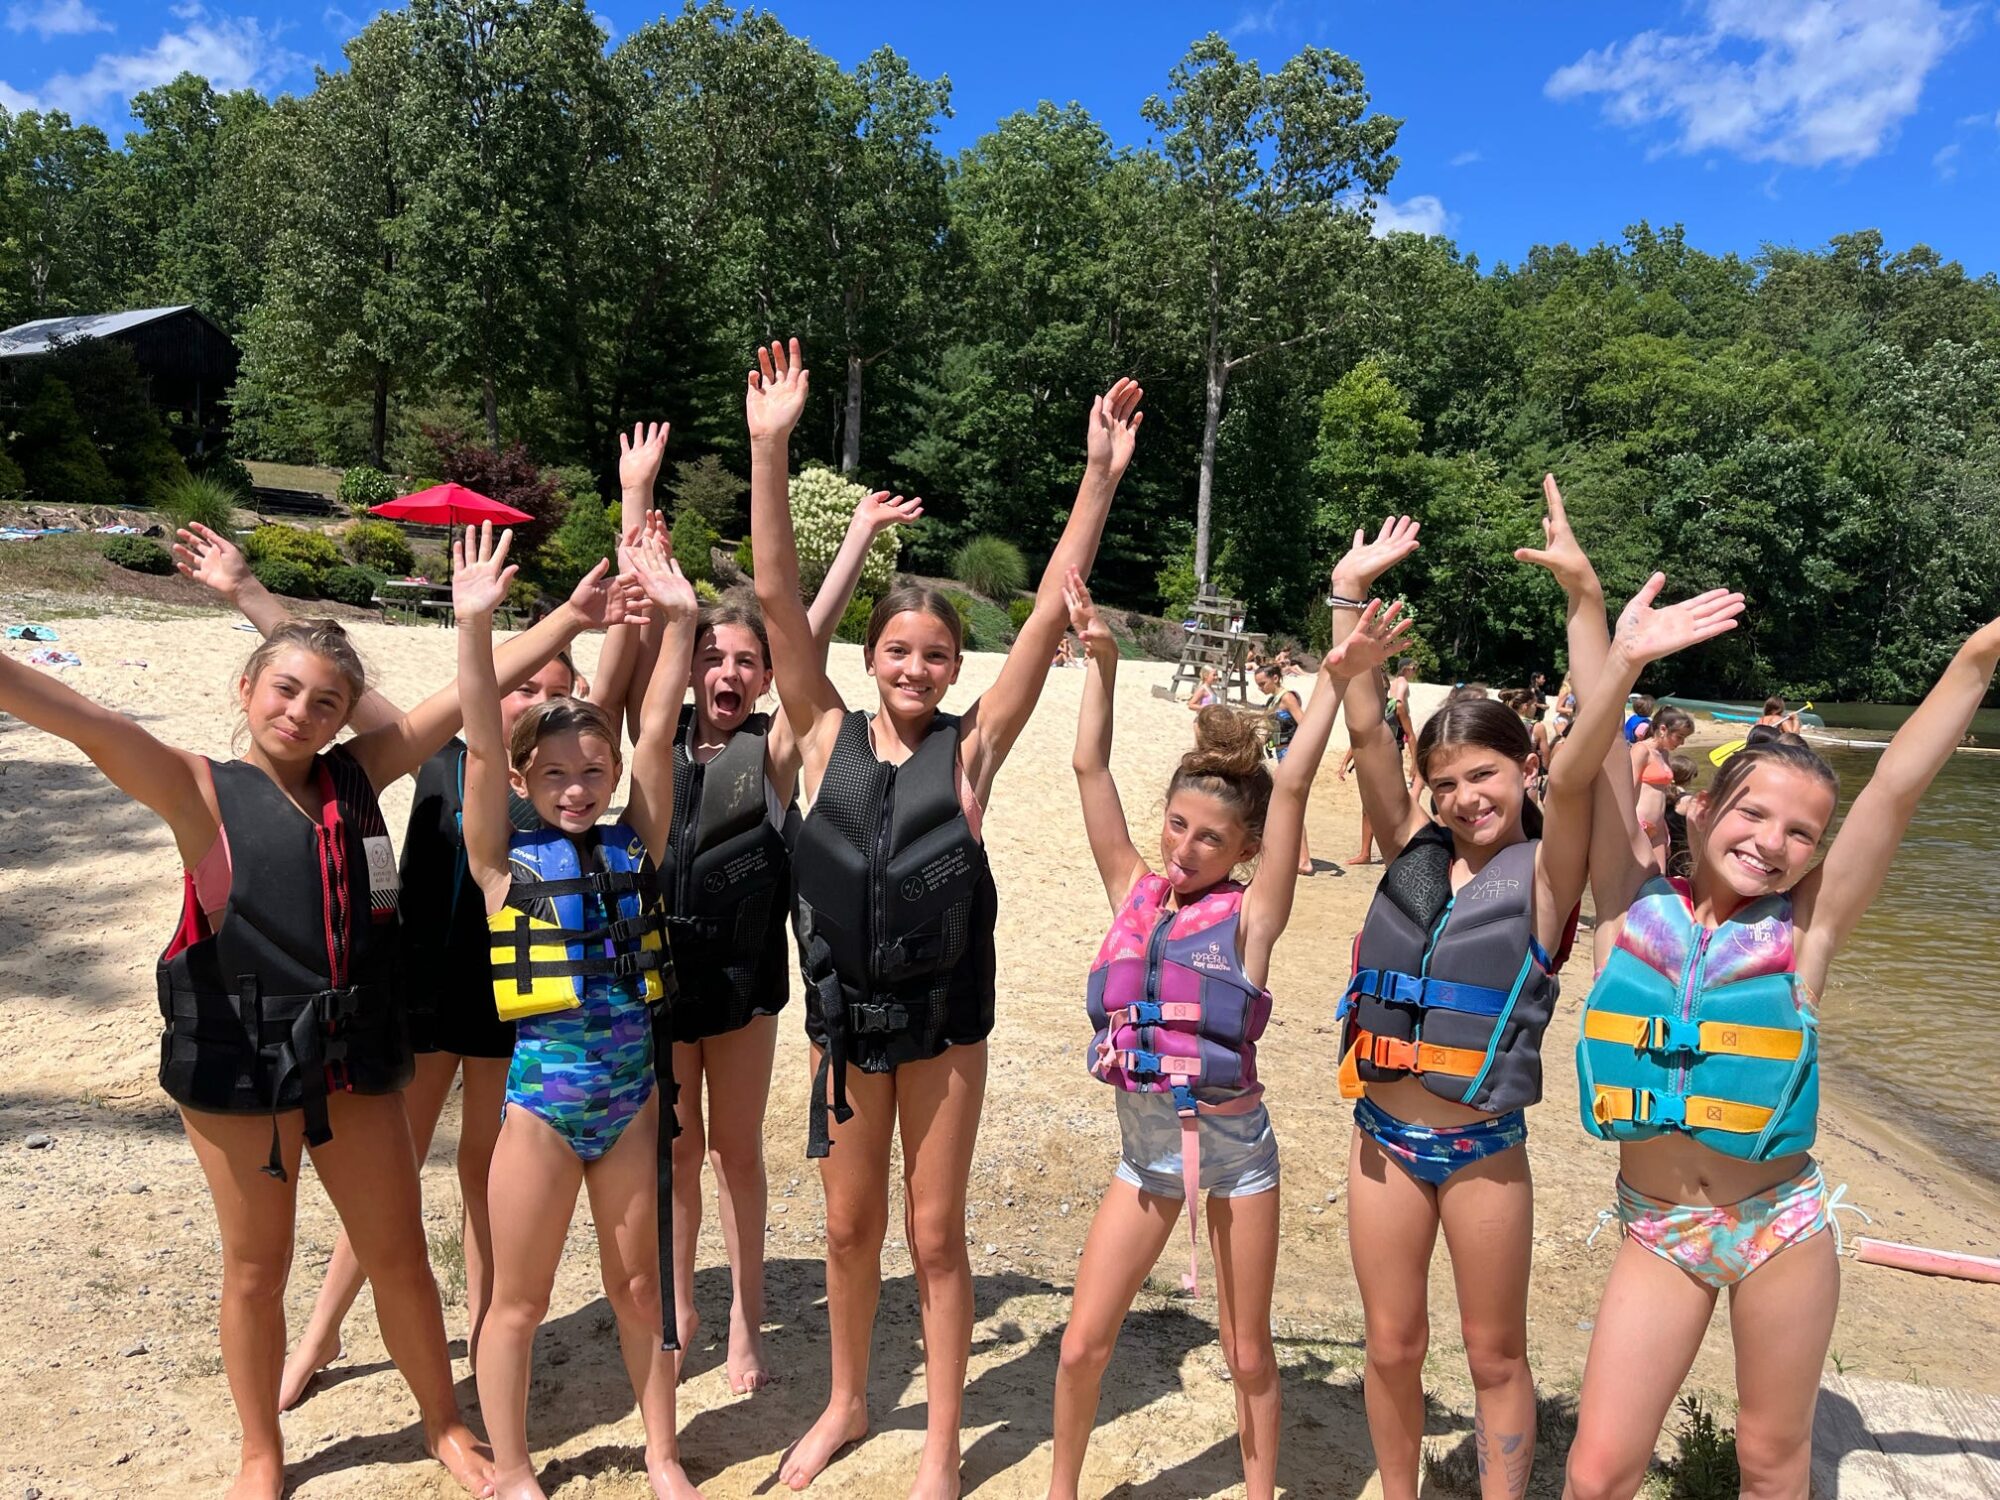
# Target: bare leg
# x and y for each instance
(1126, 1237)
(689, 1151)
(1367, 843)
(741, 1062)
(938, 1101)
(1781, 1316)
(1243, 1234)
(1488, 1212)
(532, 1198)
(319, 1346)
(1649, 1329)
(254, 1215)
(369, 1170)
(855, 1179)
(1392, 1224)
(624, 1204)
(485, 1090)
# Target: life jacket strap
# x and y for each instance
(1415, 1055)
(1679, 1111)
(1715, 1038)
(1152, 1013)
(1424, 993)
(829, 1093)
(603, 883)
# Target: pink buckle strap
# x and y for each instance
(1123, 1016)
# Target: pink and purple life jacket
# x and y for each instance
(1176, 1014)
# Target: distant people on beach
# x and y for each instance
(1777, 716)
(1204, 694)
(1639, 718)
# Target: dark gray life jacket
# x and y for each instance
(726, 878)
(896, 909)
(1450, 987)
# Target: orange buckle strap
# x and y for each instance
(1418, 1056)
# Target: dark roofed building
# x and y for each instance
(187, 362)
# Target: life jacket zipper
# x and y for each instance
(1682, 1070)
(688, 842)
(880, 876)
(1154, 946)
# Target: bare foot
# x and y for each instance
(746, 1356)
(669, 1479)
(469, 1460)
(837, 1426)
(259, 1479)
(1357, 859)
(937, 1471)
(522, 1486)
(303, 1366)
(1305, 867)
(686, 1330)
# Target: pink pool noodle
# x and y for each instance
(1927, 1262)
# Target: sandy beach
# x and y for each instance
(110, 1376)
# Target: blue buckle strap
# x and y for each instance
(1430, 994)
(1144, 1012)
(1651, 1108)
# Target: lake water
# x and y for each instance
(1914, 997)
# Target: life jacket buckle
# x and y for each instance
(878, 1015)
(1392, 1052)
(1649, 1108)
(1671, 1034)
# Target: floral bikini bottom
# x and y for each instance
(1720, 1244)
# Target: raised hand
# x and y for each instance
(777, 393)
(639, 455)
(1559, 552)
(211, 560)
(1098, 643)
(480, 572)
(1646, 634)
(651, 564)
(881, 510)
(1113, 429)
(1355, 574)
(1371, 643)
(604, 600)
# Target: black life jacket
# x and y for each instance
(896, 909)
(444, 911)
(292, 992)
(726, 880)
(1451, 986)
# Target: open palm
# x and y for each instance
(604, 599)
(651, 564)
(479, 570)
(1647, 634)
(210, 559)
(777, 393)
(1112, 432)
(1367, 561)
(881, 510)
(1083, 617)
(639, 455)
(1368, 647)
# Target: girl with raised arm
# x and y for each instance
(896, 911)
(1178, 1000)
(285, 1028)
(1700, 1057)
(453, 1027)
(577, 958)
(1454, 983)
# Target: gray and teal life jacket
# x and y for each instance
(1451, 987)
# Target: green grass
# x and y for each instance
(448, 1260)
(307, 477)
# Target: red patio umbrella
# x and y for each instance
(449, 505)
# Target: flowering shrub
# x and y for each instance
(822, 505)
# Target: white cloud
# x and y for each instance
(1467, 158)
(1801, 82)
(231, 52)
(1423, 214)
(15, 102)
(1256, 22)
(1945, 160)
(55, 18)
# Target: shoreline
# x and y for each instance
(111, 1246)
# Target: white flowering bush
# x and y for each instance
(822, 505)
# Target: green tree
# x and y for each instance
(1263, 230)
(53, 447)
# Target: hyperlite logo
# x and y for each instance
(1212, 958)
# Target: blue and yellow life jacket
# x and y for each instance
(541, 949)
(1702, 1030)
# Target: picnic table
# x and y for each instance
(411, 600)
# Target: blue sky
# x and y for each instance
(1747, 120)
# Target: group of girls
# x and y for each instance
(550, 951)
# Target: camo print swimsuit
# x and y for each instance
(586, 1072)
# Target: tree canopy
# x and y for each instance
(494, 224)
